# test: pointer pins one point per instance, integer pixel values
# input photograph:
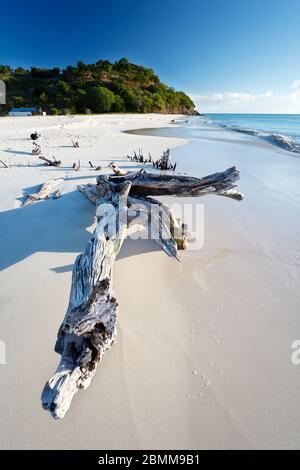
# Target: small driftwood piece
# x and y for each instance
(122, 206)
(75, 144)
(97, 168)
(49, 190)
(118, 171)
(76, 166)
(35, 136)
(49, 162)
(4, 164)
(139, 157)
(36, 149)
(164, 163)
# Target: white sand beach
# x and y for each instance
(203, 354)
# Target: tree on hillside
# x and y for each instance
(18, 101)
(118, 105)
(44, 73)
(100, 99)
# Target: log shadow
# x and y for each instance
(58, 225)
(137, 247)
(28, 139)
(63, 269)
(18, 152)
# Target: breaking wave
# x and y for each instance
(283, 141)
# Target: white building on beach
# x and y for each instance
(26, 112)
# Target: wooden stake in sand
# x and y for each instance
(76, 165)
(89, 327)
(164, 163)
(4, 164)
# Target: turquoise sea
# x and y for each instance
(280, 129)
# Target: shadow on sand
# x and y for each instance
(58, 226)
(48, 226)
(18, 152)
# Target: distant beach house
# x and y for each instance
(26, 112)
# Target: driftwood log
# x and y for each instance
(53, 162)
(118, 171)
(122, 207)
(89, 327)
(49, 190)
(36, 149)
(35, 136)
(156, 184)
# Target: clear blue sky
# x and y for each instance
(219, 51)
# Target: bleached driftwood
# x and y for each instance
(89, 327)
(155, 184)
(151, 213)
(50, 189)
(49, 162)
(118, 171)
(172, 234)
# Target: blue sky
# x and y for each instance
(229, 55)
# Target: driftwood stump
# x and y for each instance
(164, 163)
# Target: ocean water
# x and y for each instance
(279, 129)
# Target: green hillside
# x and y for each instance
(102, 87)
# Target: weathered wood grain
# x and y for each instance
(89, 327)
